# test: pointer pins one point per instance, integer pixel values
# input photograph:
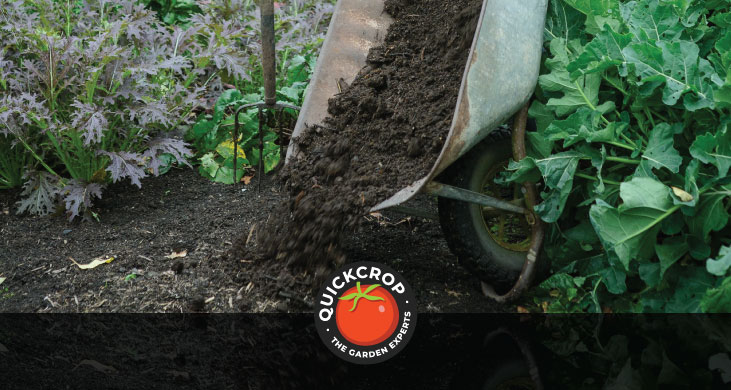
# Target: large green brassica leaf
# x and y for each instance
(678, 68)
(602, 53)
(576, 93)
(563, 21)
(626, 230)
(660, 151)
(715, 150)
(649, 20)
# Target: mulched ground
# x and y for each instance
(181, 212)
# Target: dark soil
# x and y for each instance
(384, 132)
(183, 211)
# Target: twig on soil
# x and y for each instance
(251, 233)
(144, 257)
(99, 304)
(46, 298)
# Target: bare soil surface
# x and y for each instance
(385, 131)
(182, 213)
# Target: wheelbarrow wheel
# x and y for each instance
(491, 244)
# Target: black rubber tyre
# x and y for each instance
(462, 223)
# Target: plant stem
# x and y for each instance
(40, 160)
(585, 176)
(621, 145)
(628, 140)
(596, 301)
(586, 99)
(623, 160)
(68, 18)
(649, 117)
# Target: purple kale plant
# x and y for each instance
(94, 92)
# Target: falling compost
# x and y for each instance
(384, 131)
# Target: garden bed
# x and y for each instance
(183, 212)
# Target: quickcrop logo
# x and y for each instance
(365, 313)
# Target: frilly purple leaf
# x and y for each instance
(78, 196)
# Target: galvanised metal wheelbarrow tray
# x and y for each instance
(491, 229)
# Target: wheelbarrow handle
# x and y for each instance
(268, 59)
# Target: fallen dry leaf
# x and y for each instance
(521, 309)
(94, 262)
(2, 279)
(453, 293)
(98, 366)
(247, 179)
(175, 255)
(684, 196)
(99, 304)
(209, 300)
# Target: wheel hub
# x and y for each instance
(509, 230)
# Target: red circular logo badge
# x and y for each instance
(365, 313)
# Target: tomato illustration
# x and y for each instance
(366, 315)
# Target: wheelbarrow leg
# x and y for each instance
(537, 227)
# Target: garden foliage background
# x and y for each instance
(633, 147)
(93, 92)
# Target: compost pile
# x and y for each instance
(385, 131)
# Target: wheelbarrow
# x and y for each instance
(492, 230)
